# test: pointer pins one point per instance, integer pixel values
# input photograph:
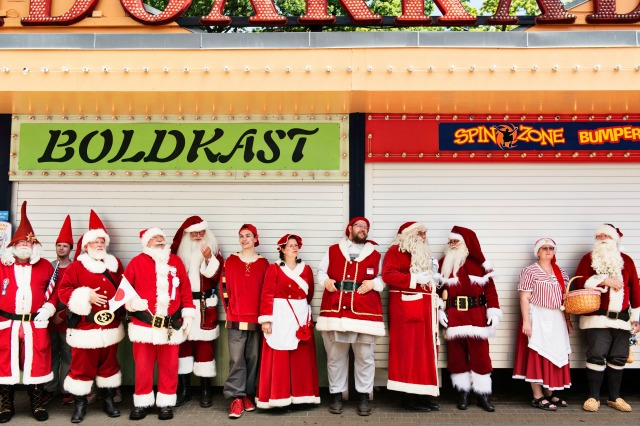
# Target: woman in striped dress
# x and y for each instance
(542, 346)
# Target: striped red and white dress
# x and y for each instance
(529, 364)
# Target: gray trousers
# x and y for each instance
(60, 361)
(338, 364)
(244, 354)
(607, 345)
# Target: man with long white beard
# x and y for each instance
(471, 317)
(93, 332)
(412, 276)
(162, 315)
(25, 308)
(198, 249)
(614, 274)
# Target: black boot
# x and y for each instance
(108, 405)
(594, 378)
(7, 409)
(335, 404)
(364, 405)
(166, 413)
(80, 409)
(184, 389)
(37, 403)
(205, 392)
(138, 413)
(430, 402)
(411, 402)
(482, 401)
(614, 380)
(463, 400)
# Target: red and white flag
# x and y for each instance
(124, 293)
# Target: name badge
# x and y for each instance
(369, 271)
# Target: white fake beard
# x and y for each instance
(22, 253)
(96, 254)
(420, 252)
(454, 259)
(606, 258)
(158, 254)
(189, 252)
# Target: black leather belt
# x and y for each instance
(624, 316)
(347, 285)
(464, 303)
(158, 321)
(196, 295)
(18, 317)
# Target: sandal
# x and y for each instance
(546, 406)
(557, 401)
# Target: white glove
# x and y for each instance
(139, 305)
(423, 278)
(186, 325)
(442, 318)
(493, 321)
(211, 302)
(42, 315)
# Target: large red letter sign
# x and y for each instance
(357, 10)
(453, 13)
(266, 14)
(174, 10)
(413, 14)
(40, 13)
(551, 12)
(604, 12)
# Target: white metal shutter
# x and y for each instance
(509, 206)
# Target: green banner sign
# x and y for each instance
(185, 146)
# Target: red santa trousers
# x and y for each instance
(532, 367)
(100, 364)
(468, 354)
(197, 356)
(288, 377)
(145, 356)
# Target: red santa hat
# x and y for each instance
(25, 230)
(96, 230)
(191, 224)
(285, 238)
(254, 231)
(147, 234)
(610, 230)
(353, 221)
(544, 241)
(409, 227)
(473, 245)
(66, 234)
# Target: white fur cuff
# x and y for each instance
(164, 400)
(635, 314)
(50, 308)
(79, 301)
(188, 312)
(143, 400)
(494, 313)
(596, 280)
(413, 282)
(265, 318)
(210, 269)
(109, 382)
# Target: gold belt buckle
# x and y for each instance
(466, 303)
(26, 317)
(104, 317)
(157, 321)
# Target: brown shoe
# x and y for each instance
(591, 404)
(620, 405)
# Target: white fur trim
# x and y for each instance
(95, 338)
(455, 236)
(144, 400)
(185, 365)
(150, 233)
(470, 331)
(413, 282)
(273, 403)
(209, 269)
(374, 328)
(7, 257)
(539, 382)
(378, 284)
(487, 265)
(109, 382)
(481, 383)
(79, 301)
(109, 263)
(413, 388)
(367, 249)
(601, 321)
(494, 313)
(93, 235)
(205, 369)
(312, 399)
(440, 304)
(595, 280)
(14, 367)
(411, 228)
(616, 298)
(155, 336)
(188, 312)
(196, 227)
(615, 367)
(595, 367)
(50, 309)
(608, 230)
(162, 288)
(481, 280)
(78, 387)
(37, 380)
(635, 314)
(265, 318)
(164, 400)
(461, 381)
(451, 281)
(542, 242)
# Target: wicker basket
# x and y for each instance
(583, 301)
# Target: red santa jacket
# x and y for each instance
(349, 310)
(19, 299)
(279, 284)
(472, 281)
(204, 278)
(241, 289)
(615, 301)
(81, 277)
(166, 288)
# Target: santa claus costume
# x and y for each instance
(349, 317)
(93, 331)
(161, 318)
(412, 276)
(608, 328)
(26, 304)
(197, 354)
(472, 315)
(288, 367)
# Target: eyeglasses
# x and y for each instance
(547, 248)
(365, 227)
(453, 242)
(197, 233)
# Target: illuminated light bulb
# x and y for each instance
(626, 117)
(287, 69)
(263, 173)
(326, 174)
(455, 155)
(608, 117)
(506, 117)
(523, 117)
(492, 68)
(576, 67)
(557, 117)
(506, 155)
(420, 155)
(144, 174)
(229, 174)
(430, 69)
(194, 173)
(145, 69)
(165, 69)
(105, 69)
(267, 69)
(555, 68)
(575, 155)
(44, 70)
(593, 154)
(369, 69)
(226, 69)
(6, 69)
(94, 173)
(591, 117)
(574, 118)
(77, 173)
(472, 117)
(596, 68)
(452, 68)
(185, 69)
(540, 155)
(437, 117)
(349, 69)
(609, 155)
(404, 117)
(28, 173)
(206, 69)
(25, 70)
(307, 68)
(514, 68)
(404, 154)
(212, 173)
(164, 118)
(111, 173)
(125, 69)
(389, 68)
(455, 117)
(558, 155)
(147, 118)
(472, 68)
(45, 173)
(409, 69)
(61, 173)
(523, 155)
(327, 68)
(627, 154)
(161, 173)
(178, 173)
(534, 68)
(472, 155)
(540, 118)
(85, 69)
(489, 155)
(637, 68)
(295, 173)
(246, 174)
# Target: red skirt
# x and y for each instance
(530, 366)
